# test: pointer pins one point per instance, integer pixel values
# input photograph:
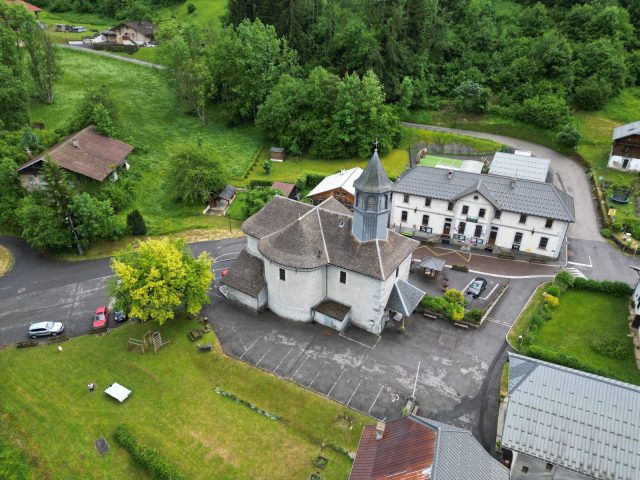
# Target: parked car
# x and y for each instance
(120, 317)
(44, 329)
(477, 287)
(101, 318)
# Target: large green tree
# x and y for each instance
(159, 277)
(11, 192)
(195, 174)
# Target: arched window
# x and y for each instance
(386, 201)
(371, 203)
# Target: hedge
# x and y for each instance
(146, 457)
(256, 182)
(563, 359)
(309, 179)
(617, 289)
(115, 47)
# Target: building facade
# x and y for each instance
(338, 186)
(625, 150)
(326, 264)
(482, 211)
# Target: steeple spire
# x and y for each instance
(373, 179)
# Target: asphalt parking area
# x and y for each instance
(445, 367)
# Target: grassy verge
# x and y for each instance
(173, 408)
(411, 136)
(6, 260)
(504, 381)
(584, 317)
(522, 323)
(153, 123)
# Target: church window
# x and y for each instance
(343, 277)
(282, 275)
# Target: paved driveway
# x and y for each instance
(447, 368)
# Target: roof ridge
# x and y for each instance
(580, 373)
(324, 241)
(557, 192)
(380, 260)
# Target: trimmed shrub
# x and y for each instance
(547, 355)
(460, 268)
(135, 223)
(609, 347)
(474, 315)
(617, 289)
(309, 179)
(606, 233)
(115, 47)
(552, 301)
(259, 183)
(146, 457)
(563, 281)
(568, 136)
(553, 290)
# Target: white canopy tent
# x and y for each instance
(118, 392)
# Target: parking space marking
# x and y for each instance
(250, 347)
(416, 382)
(314, 378)
(354, 392)
(360, 343)
(491, 292)
(265, 354)
(498, 322)
(283, 359)
(376, 399)
(300, 366)
(464, 290)
(334, 383)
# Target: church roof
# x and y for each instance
(247, 275)
(373, 179)
(322, 236)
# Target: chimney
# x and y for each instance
(513, 182)
(75, 143)
(379, 430)
(450, 174)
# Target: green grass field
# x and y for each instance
(153, 123)
(583, 317)
(46, 405)
(432, 161)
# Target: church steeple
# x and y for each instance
(372, 202)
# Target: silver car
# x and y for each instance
(477, 287)
(44, 329)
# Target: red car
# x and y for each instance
(225, 272)
(101, 318)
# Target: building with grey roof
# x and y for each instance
(562, 423)
(325, 263)
(416, 448)
(482, 211)
(625, 150)
(524, 167)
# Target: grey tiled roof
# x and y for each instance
(522, 196)
(431, 263)
(519, 166)
(583, 422)
(373, 179)
(228, 193)
(246, 274)
(626, 130)
(404, 298)
(459, 456)
(276, 214)
(323, 236)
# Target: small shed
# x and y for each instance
(289, 189)
(432, 266)
(277, 154)
(219, 202)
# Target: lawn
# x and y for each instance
(433, 161)
(46, 404)
(584, 317)
(6, 260)
(153, 123)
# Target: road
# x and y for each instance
(144, 63)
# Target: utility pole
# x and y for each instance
(75, 234)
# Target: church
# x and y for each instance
(326, 264)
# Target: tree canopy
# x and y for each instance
(159, 277)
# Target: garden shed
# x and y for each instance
(277, 154)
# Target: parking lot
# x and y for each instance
(446, 368)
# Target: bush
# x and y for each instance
(609, 347)
(259, 183)
(552, 301)
(146, 457)
(553, 290)
(191, 8)
(474, 315)
(606, 233)
(309, 179)
(116, 47)
(568, 136)
(563, 281)
(563, 359)
(592, 94)
(617, 289)
(135, 223)
(460, 268)
(544, 111)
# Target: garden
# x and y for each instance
(581, 324)
(199, 415)
(451, 306)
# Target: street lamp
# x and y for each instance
(75, 234)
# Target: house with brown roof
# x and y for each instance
(28, 6)
(416, 448)
(85, 153)
(288, 189)
(140, 33)
(326, 264)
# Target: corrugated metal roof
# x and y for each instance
(343, 179)
(583, 422)
(520, 166)
(459, 456)
(520, 196)
(626, 130)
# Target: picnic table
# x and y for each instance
(194, 335)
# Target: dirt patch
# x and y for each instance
(6, 260)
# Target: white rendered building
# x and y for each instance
(625, 150)
(482, 211)
(325, 263)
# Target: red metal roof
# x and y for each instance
(31, 8)
(405, 452)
